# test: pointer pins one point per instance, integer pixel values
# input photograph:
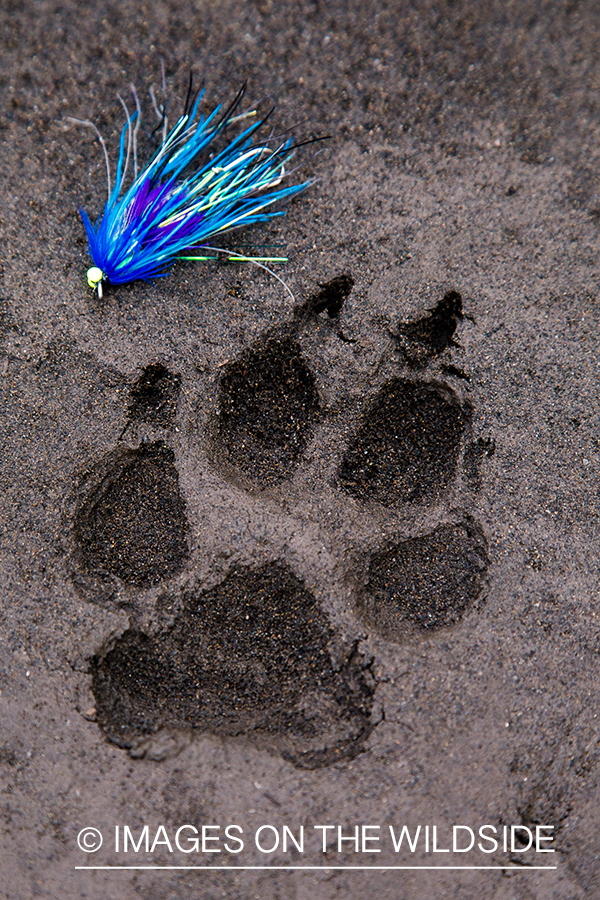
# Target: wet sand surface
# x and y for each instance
(310, 562)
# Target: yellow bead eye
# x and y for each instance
(94, 276)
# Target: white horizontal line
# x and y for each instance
(522, 868)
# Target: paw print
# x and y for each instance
(250, 648)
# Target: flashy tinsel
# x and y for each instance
(186, 195)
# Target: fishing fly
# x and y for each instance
(188, 193)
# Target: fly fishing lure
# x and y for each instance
(187, 194)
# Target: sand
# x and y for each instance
(273, 564)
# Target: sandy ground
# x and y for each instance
(322, 562)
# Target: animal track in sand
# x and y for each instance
(254, 655)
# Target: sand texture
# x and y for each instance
(329, 560)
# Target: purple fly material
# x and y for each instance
(187, 194)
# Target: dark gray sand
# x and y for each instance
(322, 562)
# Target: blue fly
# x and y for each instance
(188, 194)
